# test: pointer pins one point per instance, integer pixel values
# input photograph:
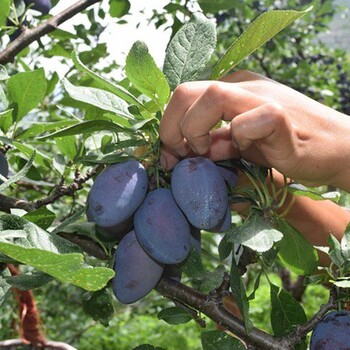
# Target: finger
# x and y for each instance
(219, 101)
(182, 98)
(266, 127)
(168, 159)
(221, 145)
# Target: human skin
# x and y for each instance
(271, 125)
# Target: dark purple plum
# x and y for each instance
(116, 194)
(229, 175)
(4, 166)
(43, 6)
(200, 191)
(161, 228)
(136, 272)
(332, 333)
(225, 222)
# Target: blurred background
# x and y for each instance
(311, 55)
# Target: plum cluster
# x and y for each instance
(156, 229)
(332, 332)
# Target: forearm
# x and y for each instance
(315, 220)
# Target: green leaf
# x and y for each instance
(98, 98)
(29, 151)
(6, 120)
(115, 89)
(35, 236)
(344, 283)
(210, 280)
(26, 90)
(286, 312)
(295, 252)
(190, 50)
(144, 74)
(300, 190)
(5, 287)
(4, 11)
(19, 175)
(225, 247)
(3, 72)
(28, 281)
(51, 254)
(118, 8)
(209, 6)
(238, 291)
(99, 305)
(36, 129)
(70, 220)
(256, 233)
(102, 159)
(174, 315)
(335, 251)
(193, 266)
(266, 26)
(67, 268)
(87, 127)
(67, 146)
(345, 243)
(219, 340)
(42, 217)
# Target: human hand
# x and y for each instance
(270, 124)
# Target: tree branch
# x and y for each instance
(30, 35)
(213, 307)
(210, 306)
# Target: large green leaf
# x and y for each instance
(98, 98)
(4, 11)
(87, 127)
(39, 157)
(144, 74)
(256, 233)
(99, 305)
(295, 252)
(67, 268)
(25, 91)
(50, 254)
(36, 129)
(114, 88)
(265, 27)
(42, 217)
(190, 50)
(286, 312)
(6, 120)
(28, 281)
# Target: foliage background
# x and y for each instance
(295, 57)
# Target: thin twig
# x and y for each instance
(28, 36)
